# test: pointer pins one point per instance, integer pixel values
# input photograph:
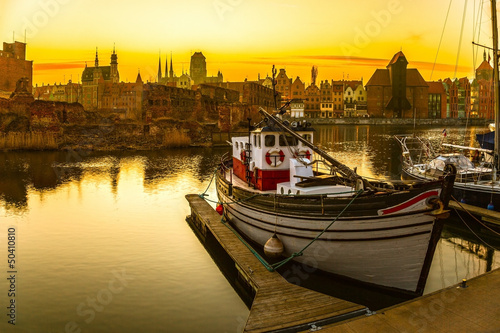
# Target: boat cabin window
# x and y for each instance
(255, 140)
(290, 141)
(269, 140)
(258, 141)
(308, 137)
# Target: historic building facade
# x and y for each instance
(14, 66)
(198, 70)
(101, 90)
(397, 91)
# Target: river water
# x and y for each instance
(100, 241)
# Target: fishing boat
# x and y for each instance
(475, 181)
(287, 195)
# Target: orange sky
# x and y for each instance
(244, 38)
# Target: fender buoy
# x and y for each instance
(275, 156)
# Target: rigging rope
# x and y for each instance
(460, 40)
(441, 39)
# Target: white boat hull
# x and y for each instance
(388, 250)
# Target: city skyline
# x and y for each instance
(243, 39)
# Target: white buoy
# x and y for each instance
(273, 247)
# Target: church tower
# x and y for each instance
(115, 76)
(159, 68)
(171, 73)
(97, 71)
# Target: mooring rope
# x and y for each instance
(470, 229)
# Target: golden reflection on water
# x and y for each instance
(106, 214)
(80, 220)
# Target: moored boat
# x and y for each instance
(475, 183)
(277, 183)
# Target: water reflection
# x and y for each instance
(89, 214)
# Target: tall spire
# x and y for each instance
(171, 67)
(159, 67)
(96, 58)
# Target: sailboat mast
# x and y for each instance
(495, 79)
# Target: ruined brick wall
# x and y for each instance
(13, 66)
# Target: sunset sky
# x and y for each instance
(243, 38)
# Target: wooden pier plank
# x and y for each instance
(454, 309)
(278, 304)
(486, 215)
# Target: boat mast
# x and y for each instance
(495, 80)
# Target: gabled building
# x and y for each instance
(312, 102)
(354, 99)
(437, 100)
(397, 91)
(298, 89)
(284, 86)
(326, 106)
(458, 97)
(338, 97)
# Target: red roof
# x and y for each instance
(436, 87)
(485, 65)
(381, 78)
(396, 58)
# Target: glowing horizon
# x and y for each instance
(243, 39)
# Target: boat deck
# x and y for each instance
(278, 304)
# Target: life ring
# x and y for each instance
(243, 156)
(274, 157)
(305, 153)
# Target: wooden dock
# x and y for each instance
(486, 215)
(278, 306)
(475, 308)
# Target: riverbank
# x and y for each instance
(108, 135)
(398, 122)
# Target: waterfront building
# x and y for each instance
(338, 97)
(437, 100)
(397, 91)
(298, 89)
(284, 85)
(14, 66)
(312, 102)
(458, 97)
(326, 106)
(354, 99)
(297, 108)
